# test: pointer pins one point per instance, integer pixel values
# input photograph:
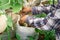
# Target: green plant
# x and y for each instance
(35, 37)
(42, 15)
(18, 37)
(9, 26)
(48, 35)
(16, 5)
(51, 1)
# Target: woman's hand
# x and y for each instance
(23, 19)
(23, 13)
(26, 9)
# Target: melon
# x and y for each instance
(3, 23)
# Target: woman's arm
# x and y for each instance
(37, 10)
(38, 23)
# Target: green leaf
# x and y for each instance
(21, 1)
(9, 21)
(4, 4)
(0, 38)
(18, 37)
(8, 33)
(16, 5)
(31, 38)
(49, 35)
(40, 15)
(51, 1)
(5, 7)
(0, 3)
(37, 30)
(16, 8)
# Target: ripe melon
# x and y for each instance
(3, 23)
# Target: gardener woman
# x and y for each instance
(51, 21)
